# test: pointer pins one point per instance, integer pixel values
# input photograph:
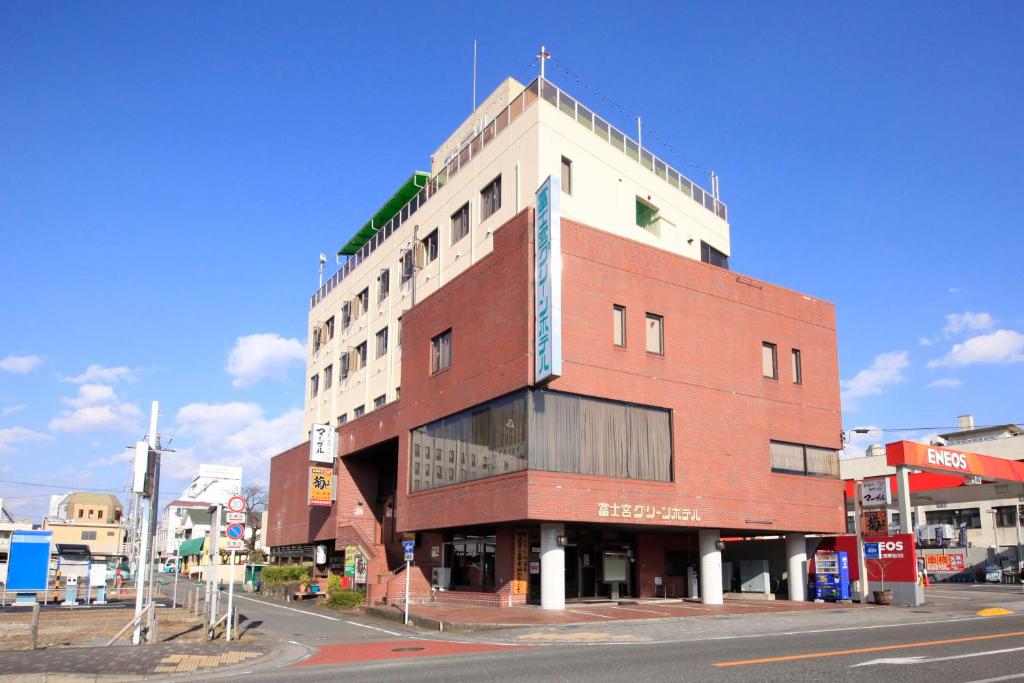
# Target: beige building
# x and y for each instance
(439, 223)
(989, 511)
(91, 519)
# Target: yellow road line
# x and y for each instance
(862, 650)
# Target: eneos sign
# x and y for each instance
(938, 459)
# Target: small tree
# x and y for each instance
(256, 498)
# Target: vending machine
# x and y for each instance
(831, 575)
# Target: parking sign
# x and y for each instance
(872, 552)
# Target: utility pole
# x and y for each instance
(858, 519)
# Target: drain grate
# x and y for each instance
(407, 649)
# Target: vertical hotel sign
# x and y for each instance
(547, 283)
(520, 561)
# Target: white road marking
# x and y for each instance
(843, 628)
(391, 633)
(947, 596)
(295, 642)
(1010, 677)
(634, 609)
(290, 609)
(593, 614)
(929, 660)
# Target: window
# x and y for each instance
(460, 223)
(490, 199)
(441, 351)
(543, 430)
(398, 332)
(330, 328)
(798, 370)
(1005, 515)
(566, 176)
(343, 373)
(314, 386)
(708, 254)
(359, 361)
(383, 285)
(655, 334)
(342, 419)
(328, 377)
(769, 360)
(380, 401)
(362, 302)
(646, 215)
(359, 411)
(794, 458)
(405, 264)
(428, 247)
(89, 535)
(81, 513)
(346, 315)
(382, 342)
(619, 325)
(969, 516)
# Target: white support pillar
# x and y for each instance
(903, 496)
(710, 567)
(552, 567)
(796, 556)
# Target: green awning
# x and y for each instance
(416, 182)
(193, 546)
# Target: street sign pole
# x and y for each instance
(231, 592)
(862, 565)
(215, 565)
(407, 565)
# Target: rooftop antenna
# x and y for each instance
(323, 262)
(474, 74)
(543, 56)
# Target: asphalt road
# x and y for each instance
(947, 640)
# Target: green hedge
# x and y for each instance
(284, 574)
(342, 598)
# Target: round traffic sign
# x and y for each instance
(236, 504)
(235, 531)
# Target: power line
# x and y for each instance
(923, 429)
(58, 486)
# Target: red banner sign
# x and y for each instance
(943, 459)
(897, 560)
(944, 563)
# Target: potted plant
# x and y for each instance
(882, 596)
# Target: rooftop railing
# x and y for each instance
(539, 89)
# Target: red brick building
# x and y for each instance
(692, 404)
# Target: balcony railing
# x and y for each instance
(538, 89)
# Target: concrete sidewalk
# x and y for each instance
(446, 616)
(125, 663)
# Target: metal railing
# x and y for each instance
(539, 89)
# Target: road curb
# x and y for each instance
(429, 623)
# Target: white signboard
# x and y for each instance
(875, 492)
(231, 544)
(234, 517)
(323, 443)
(547, 282)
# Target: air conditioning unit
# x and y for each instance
(441, 577)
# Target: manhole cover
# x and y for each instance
(407, 649)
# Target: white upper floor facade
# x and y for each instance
(482, 176)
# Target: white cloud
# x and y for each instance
(15, 435)
(125, 456)
(1001, 346)
(967, 322)
(11, 410)
(20, 365)
(925, 341)
(263, 356)
(885, 371)
(236, 434)
(946, 383)
(953, 290)
(99, 373)
(96, 408)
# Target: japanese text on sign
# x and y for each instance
(520, 561)
(321, 486)
(323, 444)
(875, 522)
(874, 492)
(631, 511)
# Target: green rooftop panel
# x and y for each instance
(416, 182)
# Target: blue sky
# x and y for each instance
(169, 174)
